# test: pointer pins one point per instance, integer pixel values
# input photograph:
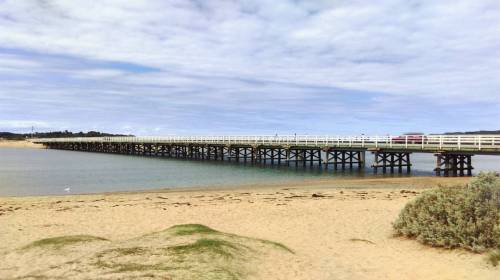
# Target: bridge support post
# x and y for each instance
(303, 156)
(233, 152)
(344, 157)
(165, 151)
(215, 152)
(221, 152)
(200, 152)
(391, 159)
(273, 155)
(197, 152)
(453, 164)
(245, 153)
(239, 153)
(211, 153)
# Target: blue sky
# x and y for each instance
(250, 67)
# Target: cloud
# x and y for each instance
(259, 66)
(16, 124)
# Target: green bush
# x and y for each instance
(460, 216)
(494, 257)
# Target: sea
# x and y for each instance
(28, 172)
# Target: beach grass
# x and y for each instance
(192, 251)
(276, 244)
(62, 241)
(186, 251)
(125, 251)
(189, 229)
(208, 245)
(192, 229)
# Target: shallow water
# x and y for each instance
(49, 172)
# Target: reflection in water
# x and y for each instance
(41, 172)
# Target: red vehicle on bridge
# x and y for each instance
(410, 138)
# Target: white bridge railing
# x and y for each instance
(423, 142)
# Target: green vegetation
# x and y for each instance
(276, 244)
(210, 246)
(474, 132)
(494, 257)
(125, 251)
(460, 216)
(192, 229)
(189, 229)
(54, 134)
(190, 251)
(361, 240)
(132, 267)
(61, 241)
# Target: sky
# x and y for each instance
(179, 67)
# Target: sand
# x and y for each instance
(336, 233)
(19, 144)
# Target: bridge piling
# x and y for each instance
(270, 154)
(239, 153)
(453, 164)
(303, 156)
(391, 159)
(344, 157)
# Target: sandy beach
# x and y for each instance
(335, 233)
(19, 144)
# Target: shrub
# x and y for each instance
(460, 216)
(494, 257)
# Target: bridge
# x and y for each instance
(391, 153)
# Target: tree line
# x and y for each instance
(55, 134)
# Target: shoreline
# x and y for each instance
(413, 182)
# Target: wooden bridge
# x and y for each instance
(391, 153)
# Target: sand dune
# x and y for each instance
(339, 233)
(190, 251)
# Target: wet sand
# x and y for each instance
(338, 229)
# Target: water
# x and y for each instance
(49, 172)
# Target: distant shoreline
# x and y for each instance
(19, 144)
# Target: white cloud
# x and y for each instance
(97, 73)
(231, 53)
(23, 124)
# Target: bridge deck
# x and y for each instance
(473, 144)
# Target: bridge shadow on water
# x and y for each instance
(309, 171)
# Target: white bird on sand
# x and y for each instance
(68, 189)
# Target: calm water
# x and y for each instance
(48, 172)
